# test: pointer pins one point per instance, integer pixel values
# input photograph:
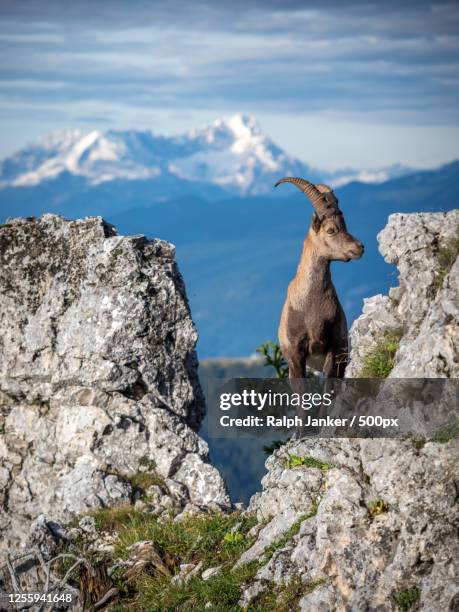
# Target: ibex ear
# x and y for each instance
(316, 221)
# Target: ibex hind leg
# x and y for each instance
(296, 360)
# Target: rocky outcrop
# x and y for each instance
(425, 305)
(340, 524)
(99, 394)
(372, 520)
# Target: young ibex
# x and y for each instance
(313, 326)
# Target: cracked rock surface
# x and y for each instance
(347, 553)
(424, 308)
(98, 375)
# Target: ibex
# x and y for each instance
(313, 328)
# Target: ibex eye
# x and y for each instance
(330, 231)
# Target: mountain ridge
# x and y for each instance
(231, 156)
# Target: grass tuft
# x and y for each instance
(380, 360)
(143, 480)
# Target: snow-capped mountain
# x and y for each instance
(232, 154)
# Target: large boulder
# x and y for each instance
(98, 375)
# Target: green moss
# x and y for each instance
(447, 433)
(294, 461)
(116, 253)
(446, 256)
(404, 600)
(377, 507)
(116, 519)
(379, 361)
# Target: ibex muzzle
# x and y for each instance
(313, 326)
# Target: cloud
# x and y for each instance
(384, 62)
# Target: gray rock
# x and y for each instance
(321, 599)
(250, 593)
(98, 374)
(349, 556)
(427, 314)
(210, 572)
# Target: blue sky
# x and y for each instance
(337, 84)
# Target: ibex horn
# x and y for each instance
(315, 193)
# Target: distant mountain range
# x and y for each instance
(209, 192)
(230, 157)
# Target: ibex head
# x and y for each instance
(329, 235)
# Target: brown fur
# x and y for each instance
(313, 328)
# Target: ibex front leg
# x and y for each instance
(296, 360)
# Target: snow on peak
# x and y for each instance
(232, 152)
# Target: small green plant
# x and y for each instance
(274, 358)
(404, 600)
(233, 537)
(377, 507)
(419, 443)
(446, 256)
(379, 361)
(294, 461)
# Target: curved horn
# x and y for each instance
(324, 188)
(313, 192)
